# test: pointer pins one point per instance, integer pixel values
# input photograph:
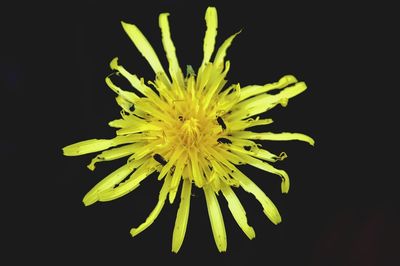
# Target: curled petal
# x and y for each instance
(157, 209)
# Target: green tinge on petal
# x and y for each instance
(237, 211)
(157, 209)
(182, 216)
(216, 219)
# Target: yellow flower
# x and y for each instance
(190, 129)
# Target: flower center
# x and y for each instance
(190, 131)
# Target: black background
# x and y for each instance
(341, 208)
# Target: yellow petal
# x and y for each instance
(217, 154)
(223, 174)
(182, 216)
(87, 146)
(264, 102)
(285, 184)
(211, 18)
(154, 110)
(114, 154)
(127, 95)
(269, 207)
(174, 69)
(216, 219)
(237, 125)
(138, 127)
(219, 57)
(253, 90)
(127, 186)
(95, 145)
(197, 170)
(110, 181)
(227, 101)
(137, 83)
(171, 162)
(237, 210)
(273, 136)
(213, 87)
(124, 104)
(255, 151)
(157, 209)
(144, 47)
(176, 177)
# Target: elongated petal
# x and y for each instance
(264, 102)
(174, 69)
(257, 152)
(182, 216)
(285, 184)
(273, 136)
(237, 210)
(269, 207)
(157, 209)
(216, 219)
(139, 127)
(127, 95)
(253, 90)
(219, 57)
(171, 162)
(197, 170)
(144, 47)
(95, 145)
(125, 105)
(211, 33)
(176, 177)
(110, 181)
(237, 125)
(127, 186)
(114, 154)
(87, 146)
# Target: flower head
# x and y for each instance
(191, 130)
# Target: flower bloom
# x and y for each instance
(191, 130)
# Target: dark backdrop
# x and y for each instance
(341, 207)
